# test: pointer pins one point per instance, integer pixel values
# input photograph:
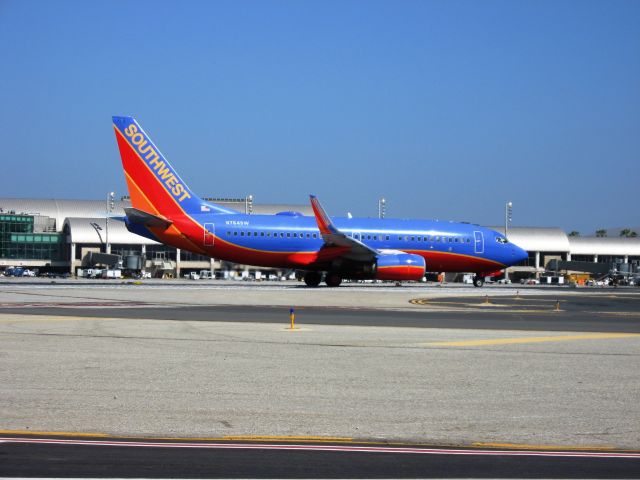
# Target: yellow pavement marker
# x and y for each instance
(512, 341)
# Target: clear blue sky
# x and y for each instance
(446, 108)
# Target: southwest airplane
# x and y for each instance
(166, 210)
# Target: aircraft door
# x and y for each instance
(479, 242)
(209, 234)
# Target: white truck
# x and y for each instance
(111, 273)
(206, 275)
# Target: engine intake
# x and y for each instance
(400, 266)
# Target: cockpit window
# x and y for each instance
(501, 240)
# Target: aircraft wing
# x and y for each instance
(353, 249)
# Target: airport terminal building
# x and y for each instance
(64, 236)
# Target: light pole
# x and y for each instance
(109, 209)
(382, 207)
(508, 210)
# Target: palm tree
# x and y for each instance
(574, 233)
(627, 232)
(601, 233)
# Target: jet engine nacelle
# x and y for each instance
(400, 266)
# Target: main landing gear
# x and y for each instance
(312, 279)
(333, 279)
(478, 281)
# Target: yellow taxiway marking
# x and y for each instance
(23, 318)
(256, 438)
(512, 341)
(286, 438)
(57, 434)
(320, 439)
(526, 446)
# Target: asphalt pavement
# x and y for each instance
(540, 313)
(117, 458)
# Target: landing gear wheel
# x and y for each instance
(312, 279)
(333, 279)
(478, 281)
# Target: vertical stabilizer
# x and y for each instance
(154, 186)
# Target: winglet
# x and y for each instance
(324, 222)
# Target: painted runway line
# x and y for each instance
(325, 448)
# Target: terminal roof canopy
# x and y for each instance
(616, 246)
(93, 231)
(85, 222)
(537, 239)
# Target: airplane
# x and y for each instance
(164, 209)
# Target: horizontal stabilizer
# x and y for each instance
(140, 217)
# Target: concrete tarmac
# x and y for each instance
(200, 377)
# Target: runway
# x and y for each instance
(432, 369)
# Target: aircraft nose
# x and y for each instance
(519, 254)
